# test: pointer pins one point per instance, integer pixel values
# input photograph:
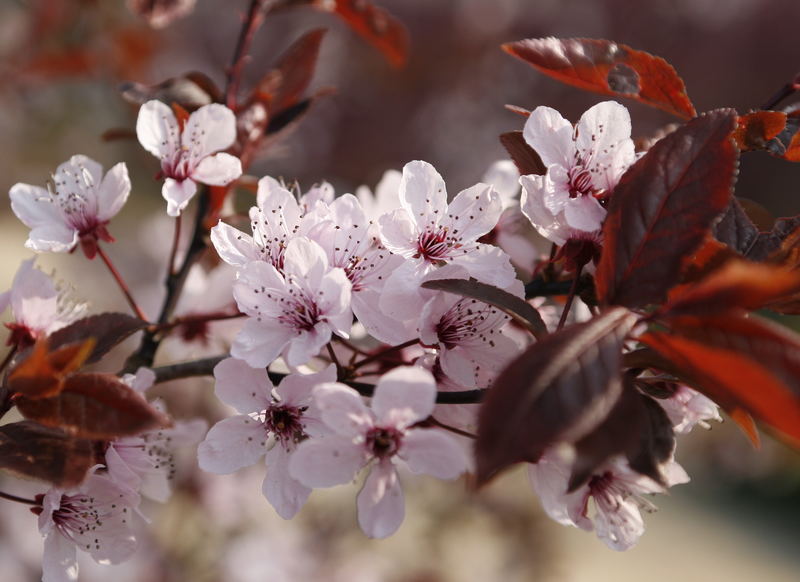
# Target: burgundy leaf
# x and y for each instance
(524, 156)
(663, 208)
(94, 406)
(656, 441)
(520, 310)
(107, 329)
(559, 389)
(755, 130)
(36, 451)
(608, 68)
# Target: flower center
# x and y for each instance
(434, 246)
(469, 321)
(284, 423)
(383, 442)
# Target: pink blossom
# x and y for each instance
(428, 232)
(271, 423)
(583, 164)
(38, 307)
(188, 153)
(275, 220)
(145, 463)
(687, 408)
(353, 243)
(95, 518)
(467, 333)
(615, 489)
(75, 210)
(293, 313)
(385, 199)
(379, 436)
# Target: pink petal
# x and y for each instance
(458, 365)
(618, 525)
(259, 344)
(210, 129)
(55, 238)
(550, 135)
(59, 559)
(398, 233)
(342, 409)
(423, 194)
(271, 196)
(218, 170)
(245, 388)
(177, 194)
(334, 298)
(232, 443)
(549, 479)
(475, 211)
(233, 246)
(584, 213)
(380, 502)
(379, 325)
(34, 206)
(34, 298)
(404, 396)
(306, 260)
(307, 344)
(533, 207)
(157, 129)
(113, 192)
(286, 494)
(295, 389)
(488, 264)
(604, 138)
(433, 452)
(504, 176)
(326, 462)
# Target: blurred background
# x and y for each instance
(62, 62)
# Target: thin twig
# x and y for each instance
(18, 499)
(199, 318)
(254, 18)
(335, 360)
(121, 283)
(175, 242)
(436, 422)
(570, 298)
(383, 353)
(787, 90)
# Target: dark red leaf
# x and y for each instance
(559, 389)
(786, 144)
(94, 406)
(737, 285)
(755, 130)
(107, 329)
(663, 208)
(520, 310)
(524, 156)
(767, 243)
(374, 24)
(736, 229)
(41, 372)
(608, 68)
(656, 441)
(36, 451)
(739, 362)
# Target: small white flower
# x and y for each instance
(188, 153)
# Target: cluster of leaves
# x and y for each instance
(682, 269)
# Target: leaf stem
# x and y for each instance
(787, 90)
(175, 242)
(254, 18)
(573, 289)
(434, 421)
(121, 283)
(383, 353)
(199, 318)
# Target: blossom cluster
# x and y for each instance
(336, 311)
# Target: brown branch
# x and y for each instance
(254, 18)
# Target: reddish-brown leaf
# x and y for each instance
(524, 156)
(737, 285)
(40, 452)
(786, 144)
(662, 210)
(709, 256)
(106, 329)
(374, 24)
(741, 363)
(608, 68)
(94, 406)
(755, 130)
(520, 310)
(559, 389)
(43, 372)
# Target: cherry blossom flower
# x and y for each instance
(687, 408)
(95, 518)
(75, 210)
(188, 152)
(583, 164)
(379, 436)
(467, 333)
(275, 220)
(615, 489)
(293, 313)
(272, 421)
(385, 199)
(145, 463)
(352, 242)
(428, 232)
(38, 307)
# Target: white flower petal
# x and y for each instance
(398, 233)
(326, 462)
(259, 344)
(342, 409)
(233, 246)
(231, 444)
(59, 559)
(404, 396)
(157, 129)
(547, 132)
(210, 129)
(423, 194)
(55, 238)
(113, 192)
(475, 211)
(245, 388)
(285, 493)
(218, 170)
(34, 206)
(380, 503)
(584, 213)
(177, 194)
(432, 452)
